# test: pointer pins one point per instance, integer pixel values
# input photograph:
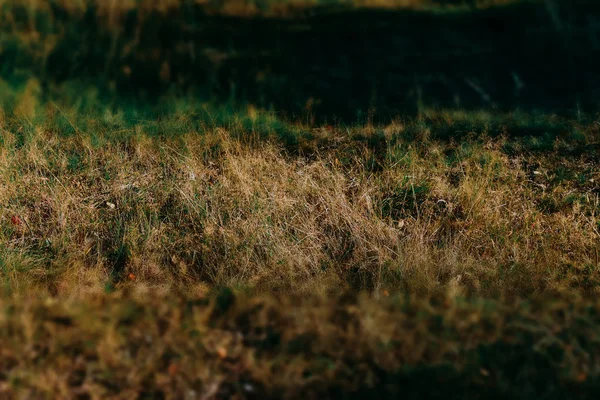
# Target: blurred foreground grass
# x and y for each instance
(261, 348)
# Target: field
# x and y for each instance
(191, 208)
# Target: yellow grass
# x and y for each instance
(217, 205)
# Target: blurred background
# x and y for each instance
(320, 60)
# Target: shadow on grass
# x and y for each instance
(330, 64)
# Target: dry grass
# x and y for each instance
(186, 250)
(191, 204)
(346, 347)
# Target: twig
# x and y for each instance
(27, 224)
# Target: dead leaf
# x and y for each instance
(222, 352)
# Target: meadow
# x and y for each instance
(192, 209)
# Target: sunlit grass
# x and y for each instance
(476, 203)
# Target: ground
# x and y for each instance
(190, 244)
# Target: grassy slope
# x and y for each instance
(200, 198)
(120, 220)
(123, 212)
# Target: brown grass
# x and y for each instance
(348, 347)
(121, 225)
(218, 205)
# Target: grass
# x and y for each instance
(397, 61)
(201, 198)
(343, 347)
(474, 237)
(197, 221)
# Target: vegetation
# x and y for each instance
(326, 67)
(343, 347)
(200, 197)
(187, 216)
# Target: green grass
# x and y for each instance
(398, 60)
